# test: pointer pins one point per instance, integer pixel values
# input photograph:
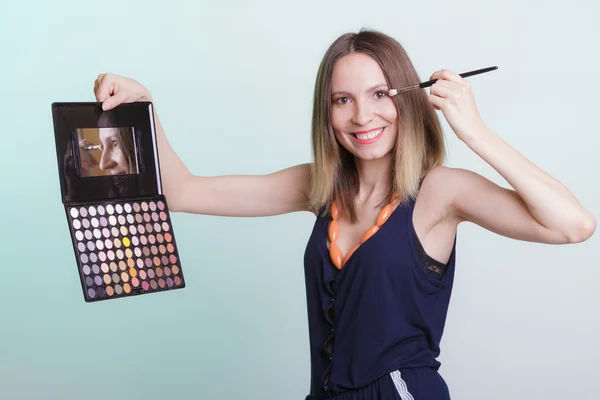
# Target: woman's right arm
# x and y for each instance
(277, 193)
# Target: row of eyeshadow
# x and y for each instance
(125, 248)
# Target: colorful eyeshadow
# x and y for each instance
(127, 265)
(120, 225)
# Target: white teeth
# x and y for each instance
(369, 135)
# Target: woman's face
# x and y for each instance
(363, 116)
(113, 160)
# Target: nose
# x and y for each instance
(106, 162)
(363, 113)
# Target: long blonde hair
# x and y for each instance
(420, 146)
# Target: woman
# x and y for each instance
(117, 155)
(379, 263)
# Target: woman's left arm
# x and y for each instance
(539, 209)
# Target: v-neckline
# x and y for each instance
(324, 238)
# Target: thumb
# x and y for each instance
(113, 101)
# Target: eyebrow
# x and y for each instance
(338, 92)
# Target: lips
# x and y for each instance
(368, 136)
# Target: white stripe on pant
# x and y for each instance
(401, 386)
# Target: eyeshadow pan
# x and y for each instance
(121, 257)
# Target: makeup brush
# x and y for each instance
(393, 92)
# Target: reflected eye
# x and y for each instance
(114, 143)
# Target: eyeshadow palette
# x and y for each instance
(118, 218)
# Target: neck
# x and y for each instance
(374, 178)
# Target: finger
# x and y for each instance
(448, 75)
(113, 101)
(106, 87)
(446, 89)
(454, 77)
(436, 101)
(436, 75)
(440, 90)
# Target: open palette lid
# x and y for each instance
(106, 154)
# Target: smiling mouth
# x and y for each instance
(369, 135)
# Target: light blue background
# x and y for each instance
(233, 86)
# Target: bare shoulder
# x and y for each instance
(439, 193)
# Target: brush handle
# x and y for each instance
(464, 75)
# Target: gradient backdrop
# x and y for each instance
(233, 87)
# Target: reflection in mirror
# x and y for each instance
(107, 151)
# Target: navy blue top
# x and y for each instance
(381, 312)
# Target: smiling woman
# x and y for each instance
(380, 260)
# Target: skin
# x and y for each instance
(538, 209)
(112, 160)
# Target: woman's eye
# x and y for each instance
(114, 143)
(342, 100)
(380, 94)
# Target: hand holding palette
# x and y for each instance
(111, 190)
